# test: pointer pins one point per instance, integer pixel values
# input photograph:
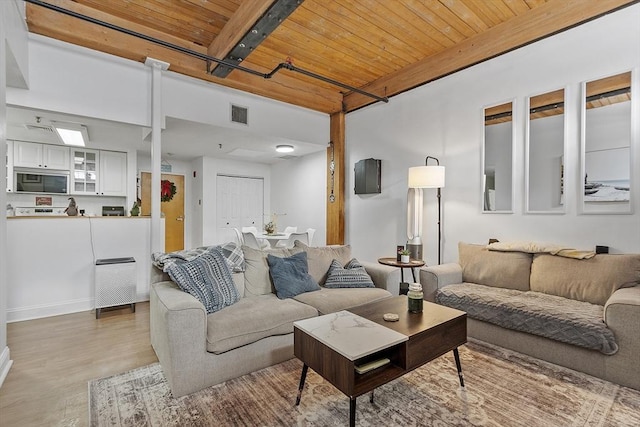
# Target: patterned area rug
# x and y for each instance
(503, 388)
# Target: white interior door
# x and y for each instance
(240, 203)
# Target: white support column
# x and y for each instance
(157, 241)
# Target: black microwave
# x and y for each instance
(35, 181)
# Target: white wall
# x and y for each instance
(5, 360)
(199, 101)
(75, 80)
(17, 56)
(51, 262)
(300, 191)
(444, 119)
(197, 191)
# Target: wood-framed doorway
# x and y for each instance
(173, 210)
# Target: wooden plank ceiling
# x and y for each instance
(384, 47)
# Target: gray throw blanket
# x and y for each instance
(561, 319)
(231, 251)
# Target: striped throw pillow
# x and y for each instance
(352, 275)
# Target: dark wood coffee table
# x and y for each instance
(430, 334)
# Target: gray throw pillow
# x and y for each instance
(319, 258)
(207, 278)
(352, 275)
(290, 275)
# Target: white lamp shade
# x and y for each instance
(426, 177)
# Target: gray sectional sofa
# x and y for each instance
(197, 350)
(583, 314)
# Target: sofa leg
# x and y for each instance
(456, 356)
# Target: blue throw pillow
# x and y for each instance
(352, 275)
(290, 275)
(208, 278)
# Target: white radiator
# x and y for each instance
(115, 283)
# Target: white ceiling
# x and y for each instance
(181, 139)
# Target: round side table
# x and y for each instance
(393, 262)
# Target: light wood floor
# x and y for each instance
(55, 357)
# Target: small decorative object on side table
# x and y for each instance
(404, 256)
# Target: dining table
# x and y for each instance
(273, 238)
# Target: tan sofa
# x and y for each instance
(535, 304)
(197, 350)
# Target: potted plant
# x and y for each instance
(270, 227)
(404, 256)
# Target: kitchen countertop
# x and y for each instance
(72, 217)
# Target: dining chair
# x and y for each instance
(239, 236)
(251, 240)
(262, 244)
(303, 237)
(311, 232)
(287, 230)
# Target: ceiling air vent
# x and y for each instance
(239, 114)
(39, 128)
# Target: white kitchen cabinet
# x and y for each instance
(84, 171)
(42, 156)
(99, 172)
(112, 177)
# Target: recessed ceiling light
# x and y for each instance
(285, 148)
(71, 134)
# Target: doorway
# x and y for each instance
(239, 203)
(172, 210)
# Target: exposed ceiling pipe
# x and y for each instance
(277, 13)
(202, 56)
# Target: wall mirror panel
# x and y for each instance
(497, 152)
(497, 160)
(606, 145)
(545, 138)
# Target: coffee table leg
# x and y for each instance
(371, 397)
(303, 377)
(456, 355)
(352, 412)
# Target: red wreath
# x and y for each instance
(167, 190)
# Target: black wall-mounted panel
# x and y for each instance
(367, 176)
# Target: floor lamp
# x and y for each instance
(423, 177)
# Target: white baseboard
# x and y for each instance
(47, 310)
(5, 364)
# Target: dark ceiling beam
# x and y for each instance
(237, 26)
(551, 18)
(249, 26)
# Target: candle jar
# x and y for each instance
(415, 298)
